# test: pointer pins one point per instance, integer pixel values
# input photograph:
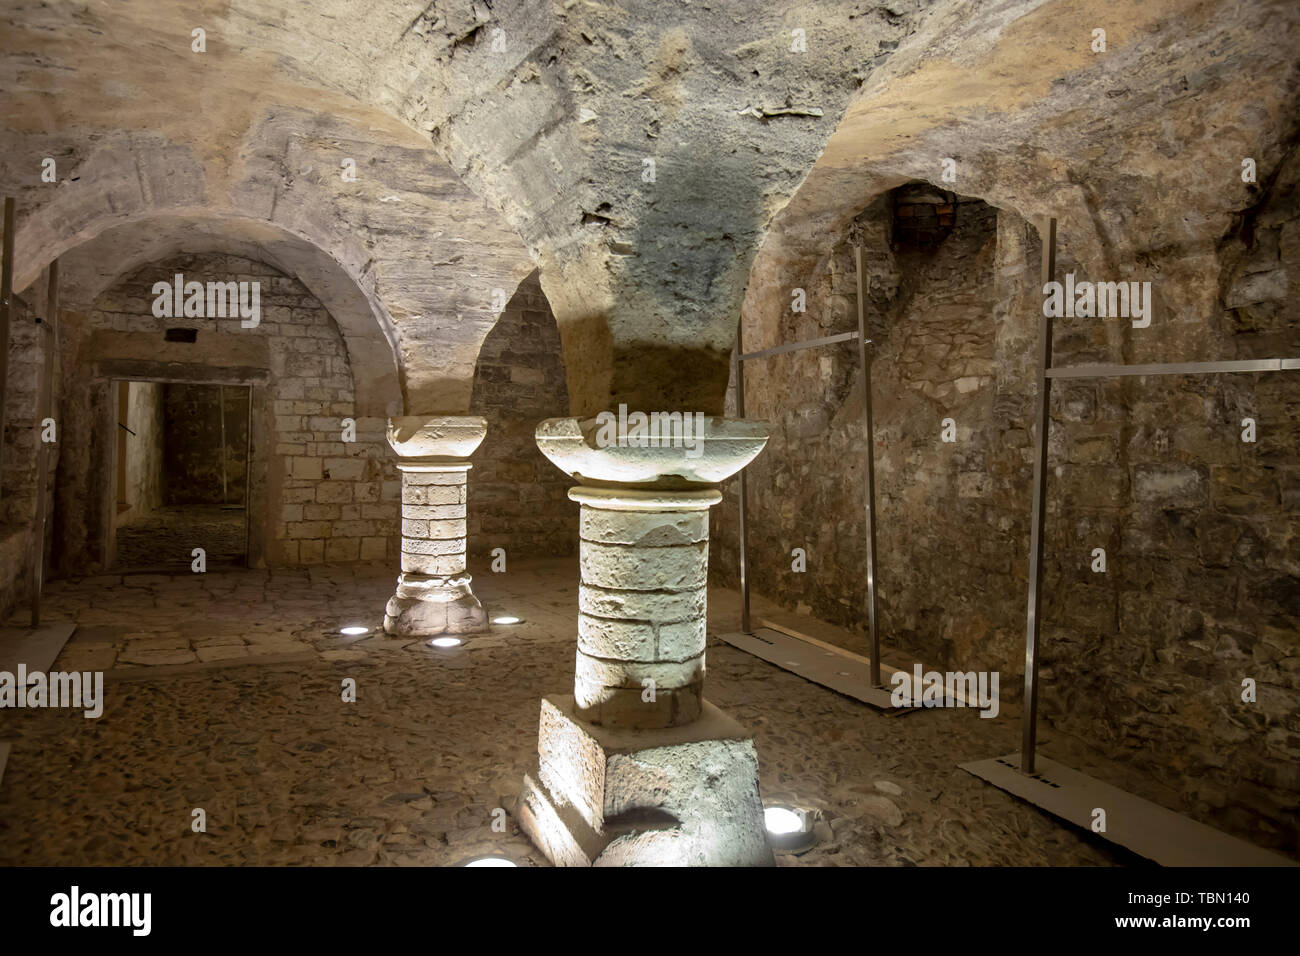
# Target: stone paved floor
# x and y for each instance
(223, 693)
(165, 539)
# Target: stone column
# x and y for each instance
(433, 591)
(636, 767)
(641, 630)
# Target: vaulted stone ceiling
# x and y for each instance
(489, 136)
(1136, 151)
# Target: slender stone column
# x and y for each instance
(636, 767)
(433, 592)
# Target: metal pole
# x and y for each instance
(799, 346)
(221, 404)
(1043, 413)
(864, 358)
(248, 472)
(43, 449)
(6, 295)
(740, 413)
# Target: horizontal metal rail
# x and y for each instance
(1174, 368)
(796, 346)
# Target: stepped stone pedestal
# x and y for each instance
(636, 767)
(433, 591)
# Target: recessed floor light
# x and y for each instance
(782, 820)
(352, 630)
(788, 828)
(492, 861)
(445, 642)
(507, 619)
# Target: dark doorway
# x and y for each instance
(181, 476)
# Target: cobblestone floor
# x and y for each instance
(223, 693)
(165, 539)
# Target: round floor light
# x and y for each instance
(445, 642)
(788, 828)
(492, 861)
(507, 619)
(353, 630)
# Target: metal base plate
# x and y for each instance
(37, 648)
(840, 670)
(1146, 828)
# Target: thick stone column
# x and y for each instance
(644, 564)
(433, 591)
(636, 767)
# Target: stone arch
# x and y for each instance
(97, 264)
(424, 252)
(314, 495)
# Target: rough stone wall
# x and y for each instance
(21, 429)
(1202, 587)
(196, 449)
(22, 444)
(329, 501)
(518, 500)
(1202, 536)
(930, 314)
(144, 446)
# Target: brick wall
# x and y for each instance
(330, 501)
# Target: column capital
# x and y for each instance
(657, 451)
(436, 439)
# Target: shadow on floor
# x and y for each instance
(165, 539)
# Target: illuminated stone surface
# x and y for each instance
(681, 797)
(636, 768)
(433, 591)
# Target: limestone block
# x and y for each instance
(623, 566)
(415, 528)
(629, 640)
(657, 606)
(645, 529)
(414, 477)
(681, 796)
(681, 640)
(604, 672)
(436, 512)
(433, 563)
(635, 708)
(449, 546)
(444, 528)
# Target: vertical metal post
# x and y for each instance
(864, 358)
(1043, 414)
(221, 405)
(6, 306)
(51, 346)
(248, 473)
(743, 490)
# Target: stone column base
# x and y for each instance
(676, 796)
(427, 605)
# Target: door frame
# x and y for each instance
(109, 372)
